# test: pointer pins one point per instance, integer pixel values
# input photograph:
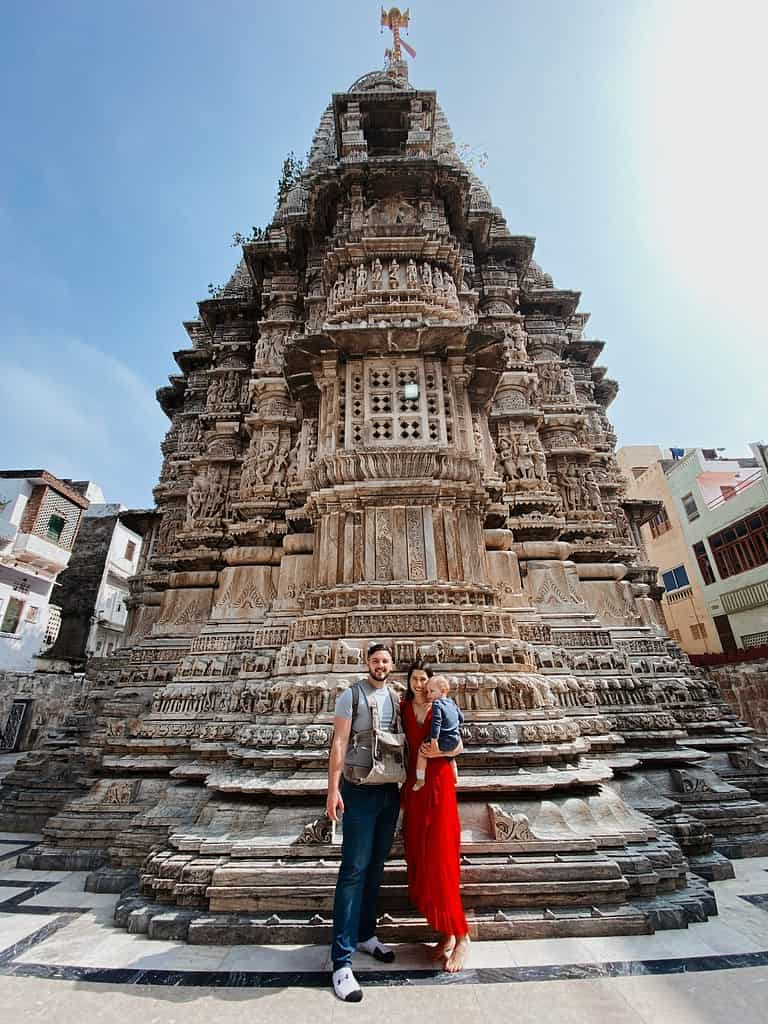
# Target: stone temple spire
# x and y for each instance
(390, 427)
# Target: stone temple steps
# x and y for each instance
(628, 891)
(584, 865)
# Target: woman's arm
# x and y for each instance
(427, 751)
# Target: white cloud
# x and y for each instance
(75, 410)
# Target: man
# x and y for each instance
(370, 816)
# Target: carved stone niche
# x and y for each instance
(186, 605)
(516, 394)
(224, 391)
(503, 567)
(269, 350)
(247, 586)
(295, 575)
(267, 461)
(270, 401)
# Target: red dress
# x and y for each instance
(432, 835)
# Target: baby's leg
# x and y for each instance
(421, 771)
(455, 770)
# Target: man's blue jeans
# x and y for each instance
(370, 817)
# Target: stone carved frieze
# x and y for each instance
(207, 497)
(224, 392)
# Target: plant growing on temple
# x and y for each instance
(215, 291)
(293, 168)
(256, 235)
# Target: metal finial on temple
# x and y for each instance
(394, 19)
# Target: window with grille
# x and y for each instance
(690, 507)
(699, 631)
(52, 627)
(55, 527)
(67, 518)
(675, 634)
(675, 578)
(397, 402)
(705, 566)
(12, 616)
(660, 523)
(741, 546)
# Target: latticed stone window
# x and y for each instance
(400, 402)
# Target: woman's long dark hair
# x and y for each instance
(414, 667)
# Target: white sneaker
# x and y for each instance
(345, 986)
(373, 947)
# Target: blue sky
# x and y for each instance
(627, 136)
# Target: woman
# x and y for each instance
(431, 831)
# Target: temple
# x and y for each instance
(389, 426)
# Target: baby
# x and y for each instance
(446, 722)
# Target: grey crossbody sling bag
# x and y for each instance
(376, 756)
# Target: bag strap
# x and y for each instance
(395, 710)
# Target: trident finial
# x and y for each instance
(394, 19)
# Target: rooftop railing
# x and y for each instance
(742, 485)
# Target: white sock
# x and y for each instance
(373, 944)
(345, 986)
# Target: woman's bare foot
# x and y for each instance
(418, 784)
(443, 949)
(457, 961)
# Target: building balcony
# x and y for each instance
(681, 594)
(39, 553)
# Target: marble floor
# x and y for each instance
(59, 951)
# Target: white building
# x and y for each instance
(723, 505)
(93, 591)
(710, 541)
(40, 516)
(110, 612)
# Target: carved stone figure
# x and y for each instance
(592, 491)
(411, 274)
(394, 275)
(377, 272)
(362, 277)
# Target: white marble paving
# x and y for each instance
(93, 941)
(7, 892)
(14, 927)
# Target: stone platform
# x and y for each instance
(59, 949)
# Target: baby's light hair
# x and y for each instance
(442, 682)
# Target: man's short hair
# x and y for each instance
(375, 648)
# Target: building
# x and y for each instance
(710, 542)
(93, 590)
(40, 517)
(390, 426)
